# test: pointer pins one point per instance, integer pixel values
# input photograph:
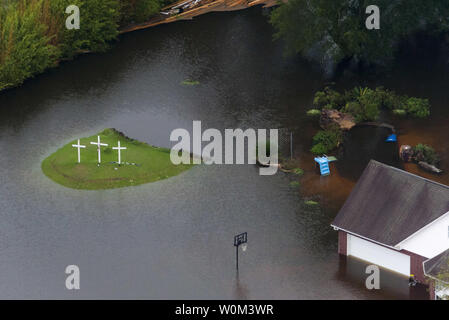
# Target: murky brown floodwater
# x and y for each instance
(173, 239)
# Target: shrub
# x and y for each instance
(294, 184)
(419, 108)
(137, 11)
(326, 140)
(319, 149)
(426, 153)
(328, 99)
(26, 48)
(399, 112)
(313, 112)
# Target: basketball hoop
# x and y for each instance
(244, 247)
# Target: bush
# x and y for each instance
(328, 99)
(319, 149)
(419, 108)
(313, 112)
(365, 103)
(33, 36)
(137, 11)
(399, 112)
(325, 141)
(426, 153)
(26, 47)
(99, 26)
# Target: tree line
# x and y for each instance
(33, 36)
(333, 31)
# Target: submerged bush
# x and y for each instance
(426, 153)
(365, 104)
(325, 141)
(313, 112)
(399, 112)
(328, 99)
(419, 108)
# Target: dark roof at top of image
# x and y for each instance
(388, 205)
(438, 266)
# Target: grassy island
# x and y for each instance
(140, 163)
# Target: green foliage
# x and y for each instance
(138, 11)
(294, 184)
(399, 112)
(313, 112)
(33, 36)
(328, 99)
(26, 48)
(337, 28)
(419, 108)
(326, 140)
(298, 171)
(319, 149)
(426, 153)
(98, 25)
(364, 104)
(189, 82)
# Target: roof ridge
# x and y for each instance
(410, 174)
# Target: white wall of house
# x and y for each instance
(430, 240)
(379, 255)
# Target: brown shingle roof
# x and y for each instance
(388, 205)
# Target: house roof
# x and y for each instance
(387, 205)
(438, 266)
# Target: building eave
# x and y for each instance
(360, 236)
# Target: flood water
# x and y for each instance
(173, 239)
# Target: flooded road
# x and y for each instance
(173, 239)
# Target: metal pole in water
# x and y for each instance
(237, 257)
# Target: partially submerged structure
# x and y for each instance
(396, 220)
(437, 269)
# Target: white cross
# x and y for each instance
(99, 144)
(79, 146)
(119, 151)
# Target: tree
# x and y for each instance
(99, 25)
(329, 29)
(26, 47)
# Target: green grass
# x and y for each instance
(189, 82)
(294, 184)
(141, 163)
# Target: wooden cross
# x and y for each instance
(119, 149)
(99, 144)
(79, 146)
